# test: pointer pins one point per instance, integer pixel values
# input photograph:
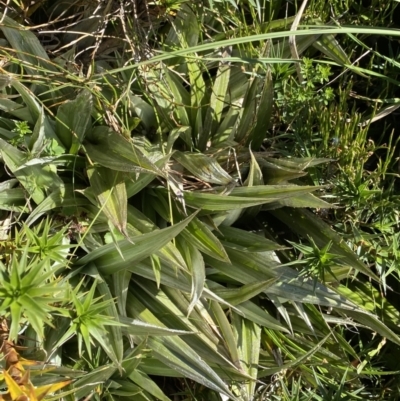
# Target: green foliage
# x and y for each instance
(317, 262)
(147, 200)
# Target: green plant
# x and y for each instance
(159, 193)
(21, 129)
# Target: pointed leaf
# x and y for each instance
(109, 188)
(203, 167)
(117, 153)
(73, 120)
(108, 259)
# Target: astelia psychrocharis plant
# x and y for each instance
(172, 261)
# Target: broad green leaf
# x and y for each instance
(136, 327)
(111, 150)
(182, 132)
(203, 167)
(255, 176)
(276, 191)
(124, 388)
(109, 188)
(200, 236)
(247, 269)
(248, 111)
(264, 113)
(144, 381)
(216, 203)
(13, 200)
(143, 110)
(180, 96)
(35, 109)
(248, 337)
(303, 201)
(133, 359)
(16, 110)
(237, 296)
(64, 196)
(27, 46)
(217, 104)
(136, 182)
(38, 180)
(180, 357)
(243, 197)
(169, 307)
(108, 260)
(38, 135)
(275, 173)
(197, 93)
(227, 334)
(245, 240)
(374, 324)
(306, 356)
(11, 156)
(85, 385)
(328, 45)
(260, 316)
(35, 177)
(195, 263)
(185, 28)
(73, 120)
(120, 285)
(114, 333)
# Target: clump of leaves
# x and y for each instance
(28, 294)
(88, 318)
(21, 130)
(316, 262)
(293, 97)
